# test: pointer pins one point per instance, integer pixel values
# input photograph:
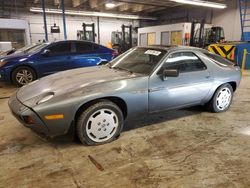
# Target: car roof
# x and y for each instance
(174, 47)
(86, 41)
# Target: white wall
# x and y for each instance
(229, 19)
(73, 23)
(161, 28)
(16, 24)
(184, 27)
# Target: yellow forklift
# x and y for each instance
(212, 39)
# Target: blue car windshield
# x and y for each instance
(138, 60)
(37, 48)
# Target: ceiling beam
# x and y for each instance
(156, 3)
(124, 7)
(96, 3)
(92, 13)
(154, 9)
(77, 3)
(56, 2)
(140, 8)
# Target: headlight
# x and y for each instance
(46, 98)
(2, 62)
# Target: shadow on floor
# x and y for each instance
(162, 117)
(144, 121)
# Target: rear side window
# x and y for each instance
(218, 59)
(96, 47)
(60, 48)
(184, 62)
(84, 47)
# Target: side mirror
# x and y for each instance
(45, 52)
(169, 73)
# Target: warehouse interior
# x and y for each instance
(186, 146)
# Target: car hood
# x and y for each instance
(68, 81)
(16, 57)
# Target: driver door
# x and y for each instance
(58, 59)
(190, 87)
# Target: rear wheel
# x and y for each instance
(23, 75)
(100, 123)
(222, 99)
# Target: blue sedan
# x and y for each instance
(49, 58)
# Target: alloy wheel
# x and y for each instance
(223, 99)
(24, 76)
(102, 125)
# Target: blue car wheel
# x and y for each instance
(23, 75)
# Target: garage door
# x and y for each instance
(176, 38)
(143, 39)
(151, 38)
(165, 38)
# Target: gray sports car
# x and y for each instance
(97, 100)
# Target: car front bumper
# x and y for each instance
(5, 73)
(21, 111)
(2, 75)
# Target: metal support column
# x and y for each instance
(44, 21)
(130, 37)
(98, 29)
(93, 30)
(64, 21)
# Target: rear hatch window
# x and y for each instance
(219, 60)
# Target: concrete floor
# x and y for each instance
(184, 148)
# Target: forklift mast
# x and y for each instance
(126, 44)
(87, 33)
(204, 37)
(122, 41)
(194, 41)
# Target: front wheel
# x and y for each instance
(100, 123)
(222, 99)
(23, 75)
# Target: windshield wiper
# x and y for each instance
(122, 69)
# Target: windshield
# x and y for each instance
(26, 48)
(37, 48)
(138, 60)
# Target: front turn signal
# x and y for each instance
(54, 116)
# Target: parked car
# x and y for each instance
(48, 58)
(97, 100)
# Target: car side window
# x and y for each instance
(60, 48)
(96, 47)
(184, 62)
(84, 47)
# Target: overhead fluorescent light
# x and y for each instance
(110, 5)
(95, 14)
(202, 3)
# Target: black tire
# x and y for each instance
(20, 69)
(83, 119)
(213, 103)
(102, 63)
